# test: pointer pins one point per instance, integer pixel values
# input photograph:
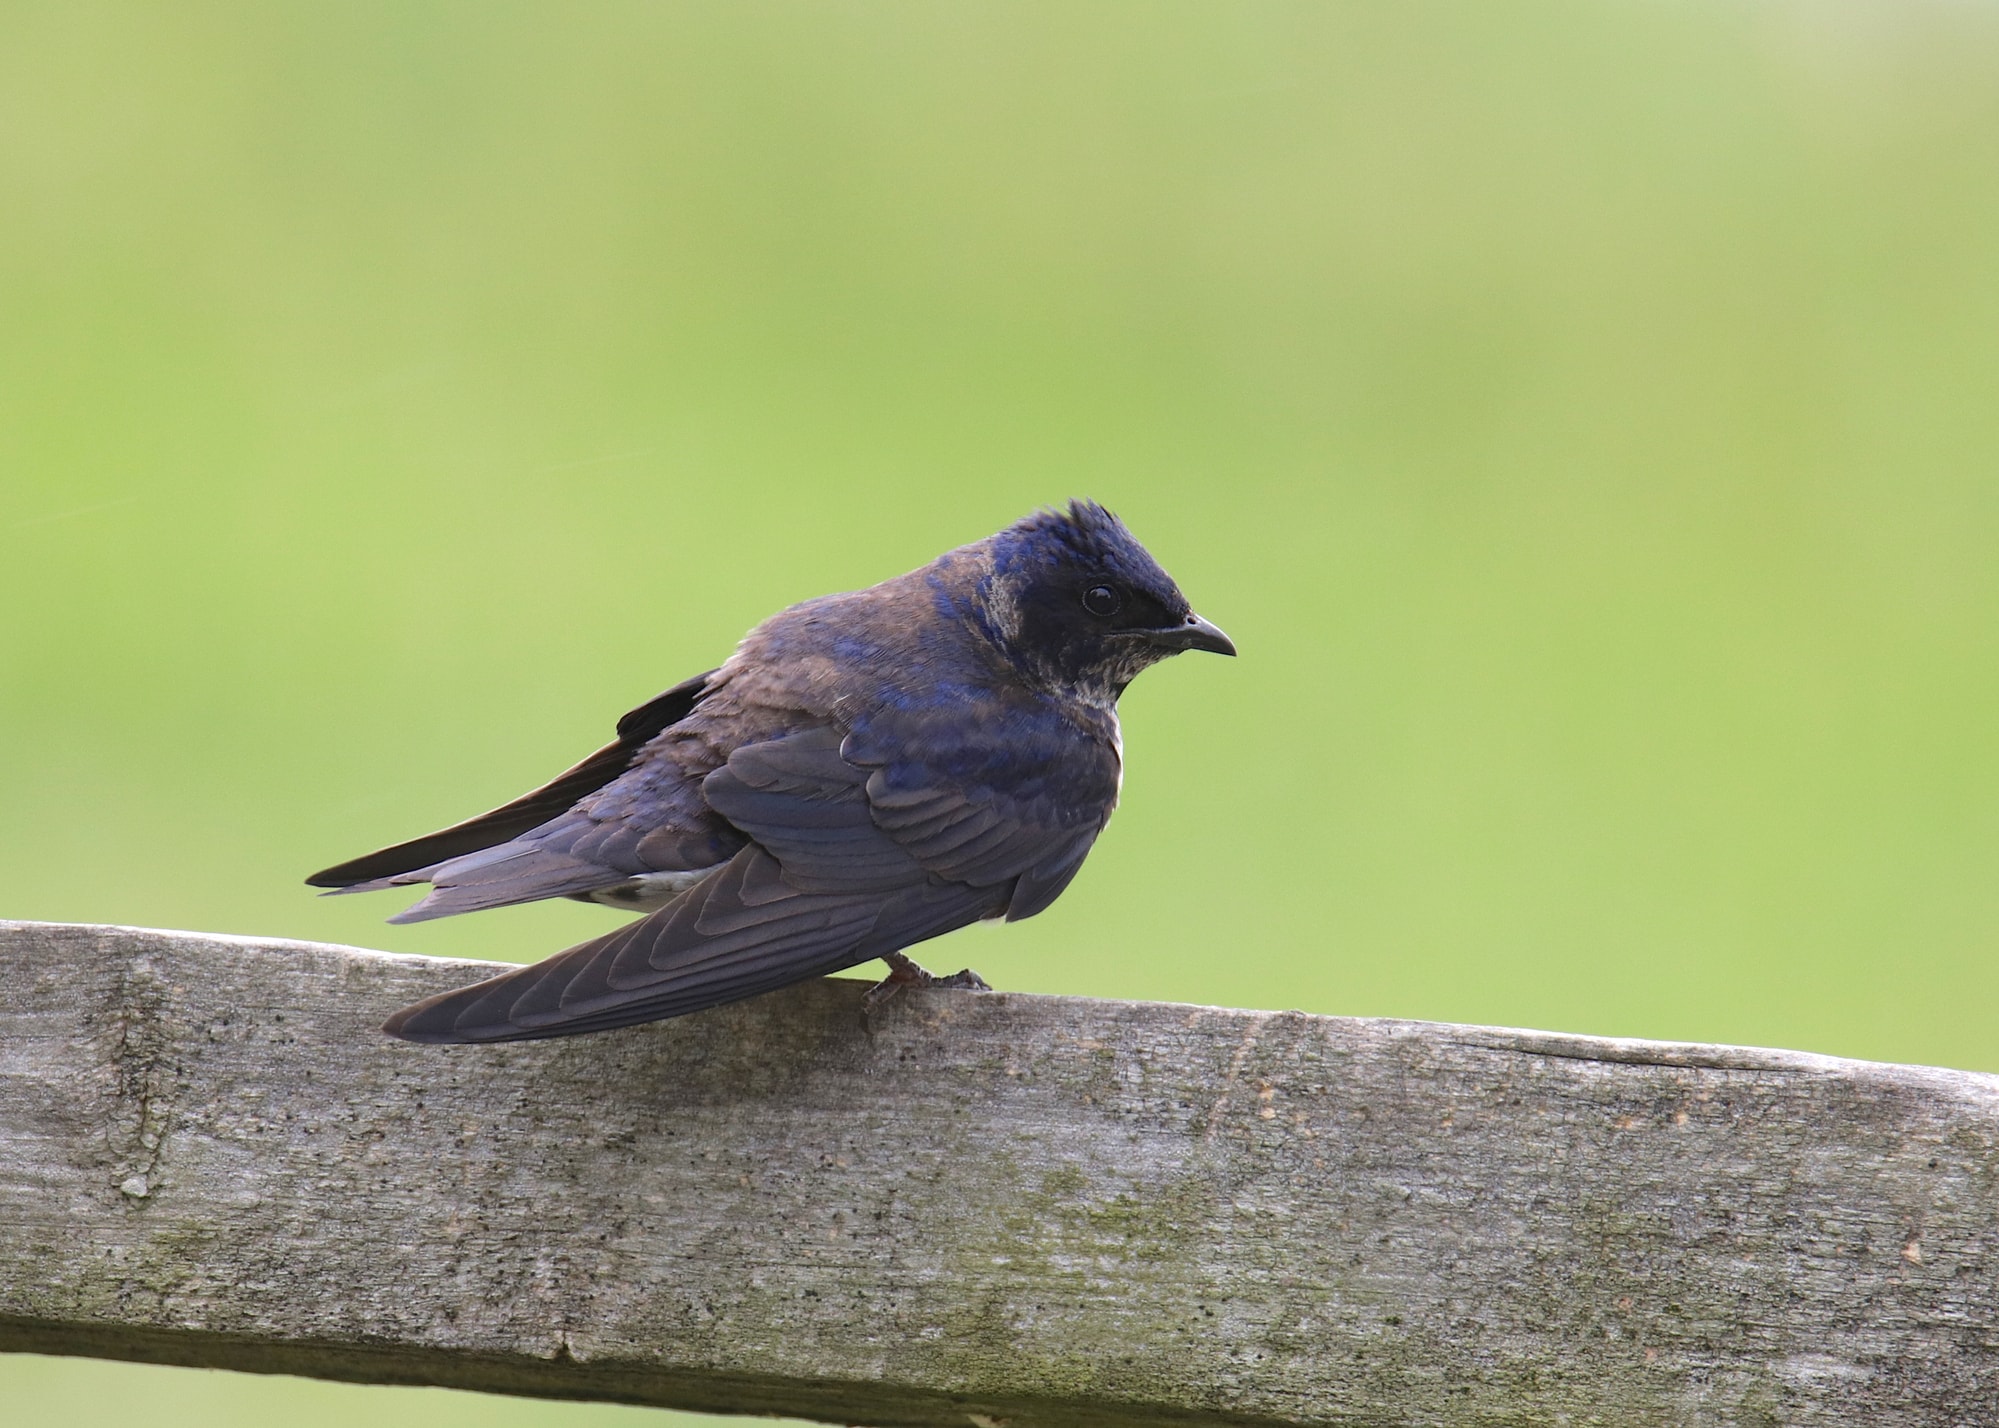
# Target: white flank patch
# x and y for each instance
(649, 891)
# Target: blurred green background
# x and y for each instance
(1582, 415)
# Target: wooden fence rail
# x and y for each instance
(982, 1209)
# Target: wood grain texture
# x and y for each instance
(989, 1207)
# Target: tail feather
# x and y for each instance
(500, 877)
(400, 880)
(507, 822)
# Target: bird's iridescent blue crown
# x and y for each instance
(1086, 536)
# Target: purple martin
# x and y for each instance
(868, 770)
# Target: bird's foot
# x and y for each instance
(904, 972)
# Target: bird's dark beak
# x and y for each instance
(1193, 633)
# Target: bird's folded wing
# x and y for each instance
(848, 861)
(743, 931)
(1024, 816)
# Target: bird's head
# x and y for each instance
(1074, 601)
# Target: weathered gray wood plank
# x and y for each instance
(994, 1207)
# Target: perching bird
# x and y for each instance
(866, 771)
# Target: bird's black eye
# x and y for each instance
(1102, 600)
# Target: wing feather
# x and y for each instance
(712, 945)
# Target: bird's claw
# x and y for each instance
(904, 972)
